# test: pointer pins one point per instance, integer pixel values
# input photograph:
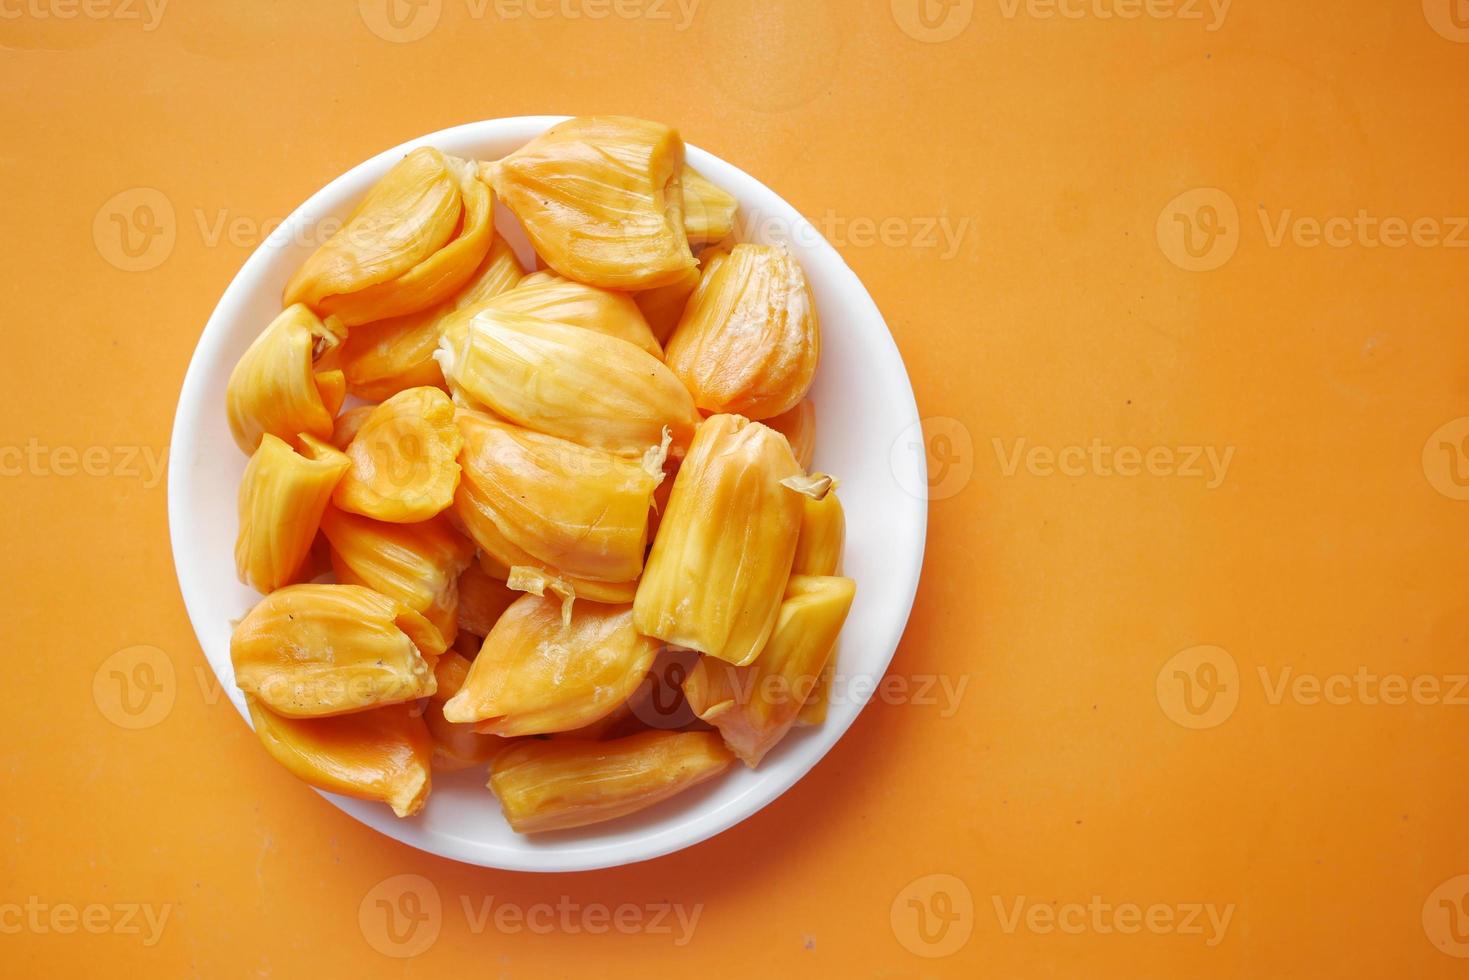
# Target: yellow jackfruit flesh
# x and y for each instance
(384, 357)
(555, 785)
(823, 535)
(482, 599)
(537, 673)
(754, 706)
(404, 459)
(708, 209)
(348, 424)
(819, 552)
(714, 579)
(662, 307)
(565, 381)
(282, 497)
(274, 387)
(332, 387)
(417, 564)
(656, 703)
(665, 306)
(455, 746)
(813, 712)
(749, 340)
(316, 650)
(601, 198)
(415, 240)
(383, 754)
(552, 503)
(551, 297)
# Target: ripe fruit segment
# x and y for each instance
(482, 599)
(551, 297)
(316, 650)
(282, 497)
(455, 746)
(708, 209)
(274, 388)
(601, 198)
(719, 565)
(384, 357)
(663, 306)
(417, 564)
(566, 381)
(823, 535)
(348, 424)
(383, 754)
(404, 459)
(555, 785)
(416, 238)
(753, 707)
(749, 339)
(533, 499)
(537, 673)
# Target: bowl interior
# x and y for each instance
(865, 413)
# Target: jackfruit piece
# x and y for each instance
(455, 746)
(538, 674)
(708, 209)
(581, 385)
(414, 240)
(404, 459)
(550, 297)
(754, 706)
(274, 388)
(309, 651)
(601, 198)
(417, 564)
(580, 511)
(555, 785)
(382, 754)
(749, 340)
(715, 576)
(384, 357)
(282, 497)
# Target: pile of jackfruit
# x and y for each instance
(568, 531)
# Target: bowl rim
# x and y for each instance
(909, 470)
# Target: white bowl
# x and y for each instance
(864, 403)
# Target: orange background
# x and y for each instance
(1334, 542)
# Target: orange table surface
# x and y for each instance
(1181, 288)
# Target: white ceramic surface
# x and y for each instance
(865, 406)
